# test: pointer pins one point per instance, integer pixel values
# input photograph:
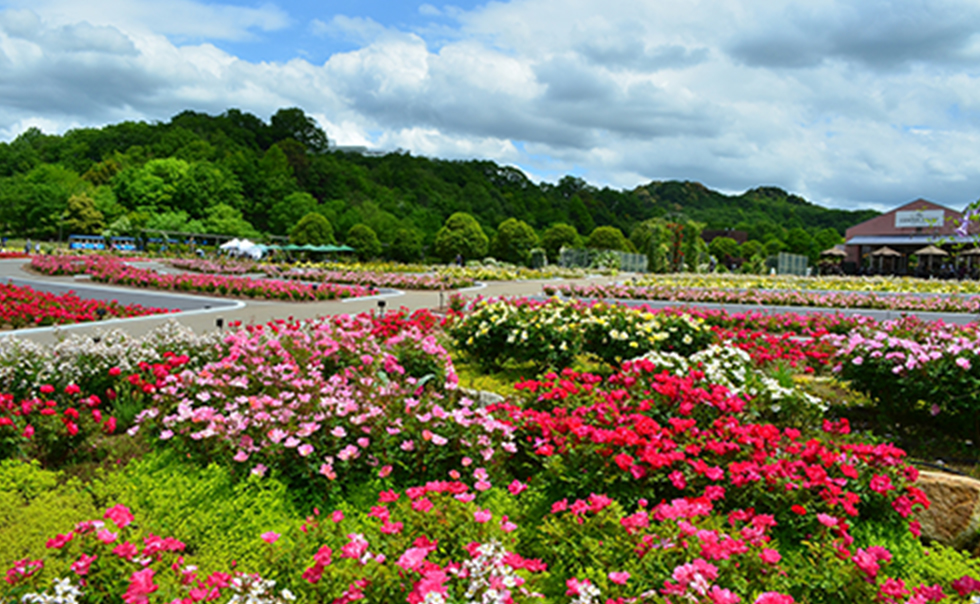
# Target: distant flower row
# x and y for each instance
(427, 281)
(223, 267)
(111, 270)
(825, 283)
(772, 297)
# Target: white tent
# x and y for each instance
(244, 247)
(252, 250)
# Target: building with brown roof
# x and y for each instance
(907, 229)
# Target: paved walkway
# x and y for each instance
(202, 313)
(201, 319)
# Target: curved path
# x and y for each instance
(201, 313)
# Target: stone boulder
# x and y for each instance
(953, 518)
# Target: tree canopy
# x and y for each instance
(223, 171)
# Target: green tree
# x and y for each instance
(312, 229)
(653, 237)
(558, 236)
(204, 185)
(82, 216)
(579, 215)
(774, 246)
(31, 209)
(276, 182)
(293, 123)
(365, 242)
(152, 186)
(750, 249)
(608, 238)
(692, 246)
(222, 219)
(461, 235)
(514, 241)
(288, 211)
(724, 249)
(178, 221)
(827, 238)
(799, 241)
(406, 246)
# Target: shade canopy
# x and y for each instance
(931, 250)
(834, 251)
(885, 251)
(292, 247)
(973, 251)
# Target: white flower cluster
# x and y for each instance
(253, 589)
(491, 579)
(65, 592)
(24, 363)
(587, 594)
(732, 368)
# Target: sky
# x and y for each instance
(850, 104)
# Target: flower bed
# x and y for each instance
(673, 479)
(23, 306)
(374, 279)
(4, 255)
(828, 283)
(223, 267)
(931, 362)
(110, 270)
(923, 303)
(553, 333)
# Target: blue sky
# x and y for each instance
(849, 103)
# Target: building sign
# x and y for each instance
(920, 218)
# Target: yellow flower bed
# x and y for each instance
(829, 283)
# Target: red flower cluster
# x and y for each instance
(683, 434)
(22, 306)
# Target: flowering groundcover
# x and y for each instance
(670, 480)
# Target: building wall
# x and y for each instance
(885, 226)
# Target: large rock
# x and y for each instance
(953, 518)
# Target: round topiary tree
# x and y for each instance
(608, 238)
(365, 242)
(406, 246)
(462, 236)
(514, 241)
(557, 236)
(312, 229)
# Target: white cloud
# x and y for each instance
(180, 18)
(844, 102)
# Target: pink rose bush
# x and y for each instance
(107, 269)
(342, 398)
(907, 360)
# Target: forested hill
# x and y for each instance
(237, 174)
(761, 211)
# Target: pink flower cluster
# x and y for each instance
(107, 269)
(341, 395)
(375, 279)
